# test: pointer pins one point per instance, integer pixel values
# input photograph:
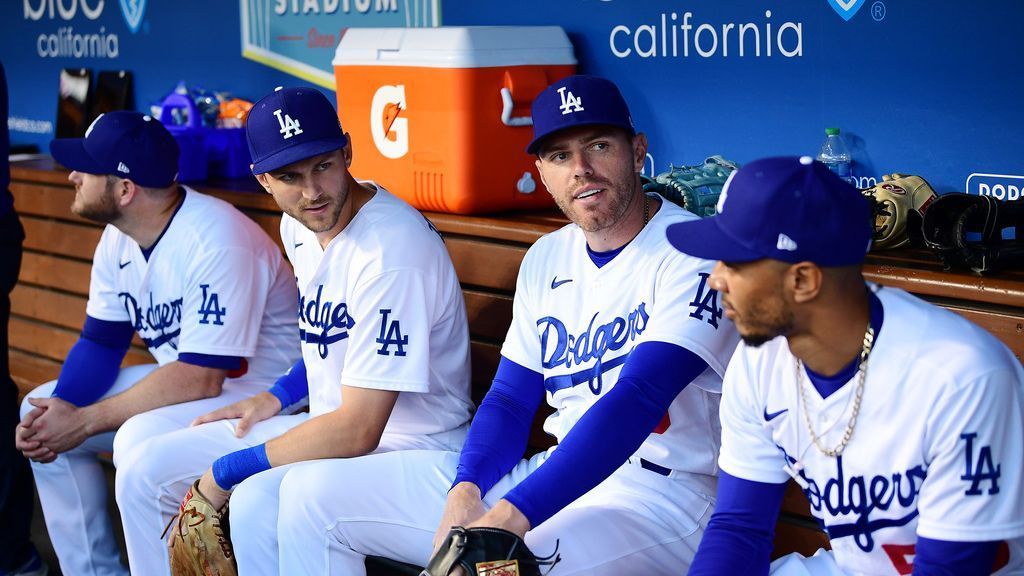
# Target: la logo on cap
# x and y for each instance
(785, 243)
(570, 103)
(289, 127)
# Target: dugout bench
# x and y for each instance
(48, 304)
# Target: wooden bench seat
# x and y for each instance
(48, 305)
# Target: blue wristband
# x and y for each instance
(229, 470)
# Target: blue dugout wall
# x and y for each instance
(926, 87)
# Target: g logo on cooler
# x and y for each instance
(389, 130)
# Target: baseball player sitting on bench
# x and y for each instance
(385, 341)
(200, 283)
(901, 421)
(626, 341)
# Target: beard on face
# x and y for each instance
(607, 216)
(763, 323)
(324, 222)
(104, 210)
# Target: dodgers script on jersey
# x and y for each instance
(936, 451)
(576, 324)
(214, 284)
(381, 308)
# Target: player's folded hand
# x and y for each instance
(27, 444)
(249, 411)
(59, 427)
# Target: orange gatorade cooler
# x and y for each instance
(441, 116)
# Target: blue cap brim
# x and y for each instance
(705, 239)
(70, 153)
(299, 153)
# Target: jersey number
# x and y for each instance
(211, 307)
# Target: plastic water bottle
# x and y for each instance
(836, 155)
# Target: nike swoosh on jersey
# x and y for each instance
(123, 264)
(555, 282)
(297, 244)
(769, 417)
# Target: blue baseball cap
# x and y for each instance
(126, 144)
(792, 209)
(290, 125)
(578, 101)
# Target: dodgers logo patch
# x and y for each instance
(133, 10)
(858, 506)
(846, 8)
(562, 349)
(158, 324)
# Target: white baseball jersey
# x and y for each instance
(577, 324)
(381, 308)
(937, 450)
(214, 284)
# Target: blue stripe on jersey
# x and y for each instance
(497, 438)
(92, 364)
(161, 339)
(555, 383)
(738, 539)
(147, 251)
(211, 360)
(610, 431)
(827, 385)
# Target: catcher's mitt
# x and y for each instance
(695, 188)
(487, 552)
(200, 544)
(899, 202)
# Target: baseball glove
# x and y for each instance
(695, 188)
(487, 552)
(200, 544)
(966, 231)
(899, 202)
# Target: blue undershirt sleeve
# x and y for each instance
(293, 386)
(610, 431)
(943, 558)
(738, 539)
(497, 438)
(93, 363)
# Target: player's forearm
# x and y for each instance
(339, 434)
(172, 383)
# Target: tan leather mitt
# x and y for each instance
(200, 544)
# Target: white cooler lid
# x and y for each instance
(455, 47)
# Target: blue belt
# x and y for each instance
(648, 465)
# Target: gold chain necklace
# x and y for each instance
(869, 341)
(647, 207)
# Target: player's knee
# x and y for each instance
(303, 510)
(128, 438)
(41, 391)
(141, 467)
(249, 502)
